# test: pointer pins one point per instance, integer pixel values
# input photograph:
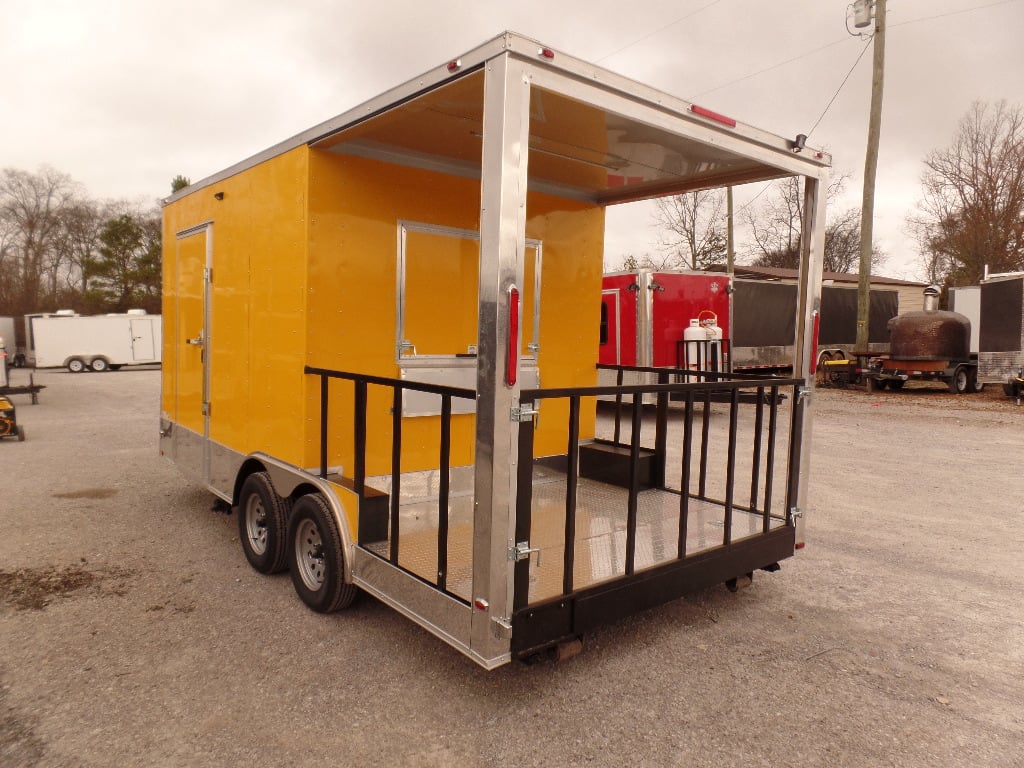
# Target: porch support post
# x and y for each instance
(812, 258)
(502, 244)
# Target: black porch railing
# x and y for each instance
(682, 430)
(647, 465)
(398, 387)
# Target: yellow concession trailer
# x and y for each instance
(381, 342)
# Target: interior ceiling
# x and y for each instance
(576, 149)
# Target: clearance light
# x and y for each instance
(546, 53)
(712, 116)
(454, 65)
(512, 359)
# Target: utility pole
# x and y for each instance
(862, 18)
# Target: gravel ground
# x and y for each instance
(133, 633)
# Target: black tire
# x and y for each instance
(316, 558)
(99, 365)
(115, 367)
(881, 384)
(21, 434)
(263, 524)
(960, 381)
(896, 383)
(76, 365)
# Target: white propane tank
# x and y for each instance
(714, 335)
(694, 336)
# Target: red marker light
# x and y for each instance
(547, 53)
(512, 360)
(712, 116)
(454, 65)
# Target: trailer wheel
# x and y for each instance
(21, 434)
(99, 365)
(262, 524)
(76, 365)
(960, 382)
(315, 556)
(880, 384)
(896, 383)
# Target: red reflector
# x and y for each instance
(480, 604)
(512, 361)
(712, 116)
(547, 53)
(454, 65)
(800, 545)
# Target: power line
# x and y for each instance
(659, 29)
(768, 69)
(952, 13)
(843, 40)
(836, 94)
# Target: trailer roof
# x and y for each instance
(594, 135)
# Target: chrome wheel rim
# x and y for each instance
(256, 524)
(309, 555)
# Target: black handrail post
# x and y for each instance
(323, 424)
(705, 431)
(634, 482)
(618, 407)
(571, 483)
(359, 437)
(769, 479)
(396, 468)
(684, 496)
(730, 471)
(755, 469)
(443, 491)
(661, 434)
(792, 471)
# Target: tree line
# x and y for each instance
(970, 215)
(61, 249)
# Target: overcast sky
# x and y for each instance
(124, 95)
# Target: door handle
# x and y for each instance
(198, 341)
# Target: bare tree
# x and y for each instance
(30, 208)
(693, 227)
(775, 227)
(971, 212)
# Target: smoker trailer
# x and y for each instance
(381, 347)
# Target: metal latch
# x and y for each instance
(523, 413)
(405, 346)
(794, 513)
(198, 341)
(522, 551)
(502, 627)
(533, 347)
(803, 392)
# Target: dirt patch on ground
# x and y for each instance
(35, 588)
(87, 493)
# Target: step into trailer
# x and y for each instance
(381, 346)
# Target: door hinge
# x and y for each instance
(524, 412)
(522, 551)
(206, 409)
(208, 274)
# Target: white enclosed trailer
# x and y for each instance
(96, 342)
